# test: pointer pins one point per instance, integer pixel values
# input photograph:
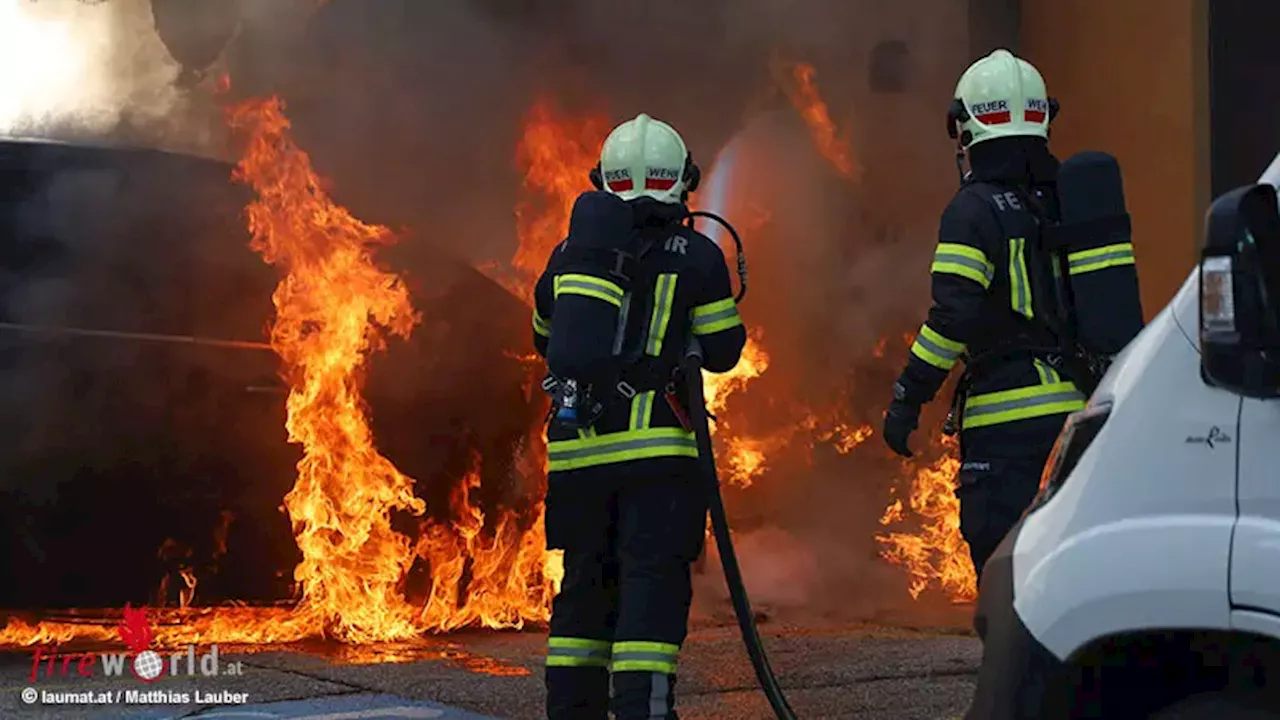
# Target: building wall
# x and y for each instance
(1131, 76)
(994, 24)
(1245, 108)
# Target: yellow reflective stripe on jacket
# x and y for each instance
(577, 652)
(1021, 404)
(1048, 375)
(965, 261)
(642, 410)
(1101, 258)
(589, 286)
(1019, 280)
(643, 656)
(937, 350)
(715, 317)
(617, 447)
(664, 299)
(540, 325)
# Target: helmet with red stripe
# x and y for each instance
(644, 157)
(1000, 95)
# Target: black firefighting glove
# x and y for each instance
(900, 420)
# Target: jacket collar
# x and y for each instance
(1015, 160)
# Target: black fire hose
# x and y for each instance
(737, 241)
(724, 544)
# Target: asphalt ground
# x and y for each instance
(829, 671)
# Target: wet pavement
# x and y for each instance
(864, 672)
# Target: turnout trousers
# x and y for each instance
(629, 532)
(1000, 467)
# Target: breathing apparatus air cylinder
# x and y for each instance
(1093, 247)
(593, 295)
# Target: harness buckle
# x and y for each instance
(620, 259)
(951, 425)
(955, 414)
(549, 384)
(625, 389)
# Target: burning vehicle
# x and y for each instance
(145, 409)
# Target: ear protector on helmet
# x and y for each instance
(958, 114)
(691, 176)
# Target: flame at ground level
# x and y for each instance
(936, 554)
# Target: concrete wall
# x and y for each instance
(1132, 78)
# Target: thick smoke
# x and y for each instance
(95, 71)
(414, 109)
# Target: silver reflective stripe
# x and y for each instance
(1028, 402)
(555, 455)
(1021, 292)
(644, 656)
(643, 403)
(705, 320)
(1047, 374)
(1095, 259)
(579, 285)
(942, 256)
(936, 349)
(659, 697)
(662, 297)
(579, 652)
(620, 330)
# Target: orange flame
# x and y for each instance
(744, 458)
(801, 87)
(554, 155)
(333, 307)
(935, 555)
(331, 310)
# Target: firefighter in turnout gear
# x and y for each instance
(998, 303)
(618, 305)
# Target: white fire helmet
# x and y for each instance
(644, 157)
(1000, 95)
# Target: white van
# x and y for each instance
(1144, 581)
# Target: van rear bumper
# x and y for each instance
(1019, 678)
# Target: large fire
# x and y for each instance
(332, 308)
(335, 306)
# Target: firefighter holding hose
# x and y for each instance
(616, 309)
(1002, 279)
